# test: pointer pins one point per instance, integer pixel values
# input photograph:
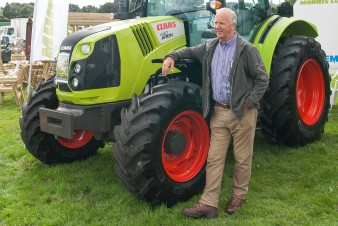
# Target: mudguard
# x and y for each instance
(276, 27)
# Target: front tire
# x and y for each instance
(297, 101)
(162, 144)
(46, 147)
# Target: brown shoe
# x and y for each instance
(233, 205)
(200, 210)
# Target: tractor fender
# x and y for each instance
(275, 28)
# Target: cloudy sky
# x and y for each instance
(80, 3)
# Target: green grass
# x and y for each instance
(289, 186)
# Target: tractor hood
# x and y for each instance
(70, 41)
(102, 64)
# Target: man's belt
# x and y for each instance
(225, 106)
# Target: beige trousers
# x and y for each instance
(224, 128)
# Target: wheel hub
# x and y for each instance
(175, 143)
(310, 92)
(80, 138)
(185, 146)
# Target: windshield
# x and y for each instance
(5, 40)
(250, 14)
(171, 7)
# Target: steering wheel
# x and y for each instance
(257, 12)
(174, 12)
(256, 8)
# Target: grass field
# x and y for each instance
(289, 186)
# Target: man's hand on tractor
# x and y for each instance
(169, 62)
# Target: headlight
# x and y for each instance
(77, 68)
(75, 82)
(85, 48)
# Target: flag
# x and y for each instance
(50, 21)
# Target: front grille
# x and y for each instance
(104, 65)
(64, 87)
(143, 38)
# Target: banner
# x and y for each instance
(50, 21)
(323, 14)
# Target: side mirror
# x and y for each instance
(285, 9)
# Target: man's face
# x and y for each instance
(224, 29)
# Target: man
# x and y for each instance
(238, 79)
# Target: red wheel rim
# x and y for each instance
(310, 92)
(188, 164)
(80, 138)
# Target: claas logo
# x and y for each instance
(166, 25)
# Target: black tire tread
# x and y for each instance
(137, 143)
(42, 145)
(279, 119)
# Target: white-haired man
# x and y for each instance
(234, 79)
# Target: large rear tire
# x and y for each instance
(297, 101)
(46, 147)
(162, 144)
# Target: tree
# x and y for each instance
(7, 11)
(15, 9)
(107, 8)
(74, 8)
(89, 9)
(26, 11)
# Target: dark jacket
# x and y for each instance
(249, 78)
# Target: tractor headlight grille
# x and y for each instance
(100, 70)
(104, 65)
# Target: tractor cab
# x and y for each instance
(198, 16)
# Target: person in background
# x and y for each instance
(234, 81)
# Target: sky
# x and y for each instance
(80, 3)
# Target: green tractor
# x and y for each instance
(108, 88)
